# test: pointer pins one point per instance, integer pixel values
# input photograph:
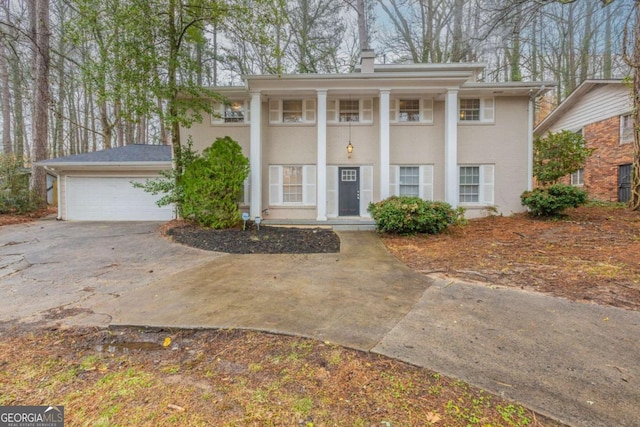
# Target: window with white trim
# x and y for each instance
(350, 110)
(292, 111)
(410, 110)
(469, 184)
(476, 184)
(626, 128)
(577, 178)
(292, 185)
(476, 110)
(232, 111)
(411, 180)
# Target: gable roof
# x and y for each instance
(135, 153)
(135, 156)
(572, 100)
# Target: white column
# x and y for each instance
(384, 143)
(255, 155)
(451, 148)
(321, 169)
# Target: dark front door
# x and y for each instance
(624, 183)
(349, 192)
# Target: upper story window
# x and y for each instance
(292, 111)
(476, 110)
(626, 128)
(350, 110)
(236, 111)
(410, 110)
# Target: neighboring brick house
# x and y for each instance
(601, 111)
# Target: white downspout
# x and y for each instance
(530, 119)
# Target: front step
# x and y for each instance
(346, 224)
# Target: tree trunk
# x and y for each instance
(41, 100)
(457, 52)
(5, 97)
(18, 105)
(362, 26)
(172, 85)
(586, 42)
(607, 64)
(635, 63)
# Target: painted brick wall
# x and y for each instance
(601, 169)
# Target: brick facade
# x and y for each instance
(601, 169)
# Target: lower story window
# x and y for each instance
(476, 185)
(577, 178)
(469, 184)
(409, 181)
(292, 184)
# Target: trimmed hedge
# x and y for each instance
(411, 215)
(552, 200)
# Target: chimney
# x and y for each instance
(367, 56)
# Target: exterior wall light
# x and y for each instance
(349, 149)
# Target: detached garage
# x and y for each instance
(98, 186)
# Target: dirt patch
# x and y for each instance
(128, 376)
(8, 219)
(590, 254)
(266, 240)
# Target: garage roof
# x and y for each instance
(129, 153)
(129, 157)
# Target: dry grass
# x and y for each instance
(590, 254)
(233, 378)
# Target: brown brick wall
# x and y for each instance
(601, 169)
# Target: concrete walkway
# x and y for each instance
(578, 363)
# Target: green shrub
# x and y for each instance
(169, 184)
(15, 195)
(552, 200)
(213, 183)
(410, 215)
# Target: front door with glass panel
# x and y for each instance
(349, 192)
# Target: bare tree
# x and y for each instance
(633, 59)
(5, 99)
(41, 98)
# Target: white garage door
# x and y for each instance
(112, 199)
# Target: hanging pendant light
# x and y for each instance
(349, 145)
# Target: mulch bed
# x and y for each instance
(267, 240)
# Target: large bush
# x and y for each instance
(15, 194)
(213, 183)
(557, 155)
(552, 200)
(410, 215)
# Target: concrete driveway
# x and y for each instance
(53, 271)
(578, 363)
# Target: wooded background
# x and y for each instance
(83, 75)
